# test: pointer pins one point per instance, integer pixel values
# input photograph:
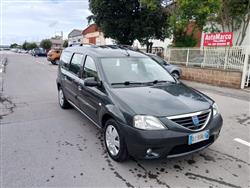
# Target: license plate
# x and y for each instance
(198, 137)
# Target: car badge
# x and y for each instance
(195, 120)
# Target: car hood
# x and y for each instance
(161, 100)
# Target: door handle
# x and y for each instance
(79, 88)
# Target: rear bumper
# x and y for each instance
(167, 143)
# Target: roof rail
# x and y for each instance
(87, 44)
(119, 46)
(82, 44)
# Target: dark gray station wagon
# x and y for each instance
(143, 111)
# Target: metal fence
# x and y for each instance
(213, 57)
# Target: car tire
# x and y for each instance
(62, 100)
(176, 74)
(53, 62)
(114, 141)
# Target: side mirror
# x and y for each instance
(91, 82)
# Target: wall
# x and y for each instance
(197, 33)
(75, 40)
(225, 78)
(100, 40)
(57, 42)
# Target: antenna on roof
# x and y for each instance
(127, 52)
(124, 48)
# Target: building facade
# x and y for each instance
(75, 37)
(57, 41)
(93, 35)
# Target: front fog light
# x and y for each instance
(147, 123)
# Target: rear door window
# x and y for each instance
(75, 65)
(65, 59)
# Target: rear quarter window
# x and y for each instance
(65, 59)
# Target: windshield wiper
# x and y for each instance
(141, 83)
(160, 81)
(128, 83)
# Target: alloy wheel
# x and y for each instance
(112, 140)
(61, 97)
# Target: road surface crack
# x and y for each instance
(6, 106)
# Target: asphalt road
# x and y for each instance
(43, 145)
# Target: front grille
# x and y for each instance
(194, 121)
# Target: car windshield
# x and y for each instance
(134, 70)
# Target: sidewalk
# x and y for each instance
(235, 93)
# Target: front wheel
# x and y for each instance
(176, 74)
(62, 100)
(115, 142)
(55, 62)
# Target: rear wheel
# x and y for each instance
(115, 142)
(53, 62)
(62, 100)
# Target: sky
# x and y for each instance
(34, 20)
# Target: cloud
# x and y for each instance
(33, 20)
(53, 24)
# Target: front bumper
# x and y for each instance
(167, 143)
(49, 59)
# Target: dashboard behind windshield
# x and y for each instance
(134, 69)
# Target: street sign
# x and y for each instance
(218, 39)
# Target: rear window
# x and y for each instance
(65, 59)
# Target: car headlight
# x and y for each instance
(147, 123)
(215, 109)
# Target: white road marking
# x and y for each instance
(40, 62)
(242, 141)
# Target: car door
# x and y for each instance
(90, 97)
(64, 70)
(71, 77)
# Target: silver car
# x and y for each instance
(172, 69)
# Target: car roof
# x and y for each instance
(105, 51)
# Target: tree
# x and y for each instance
(128, 20)
(192, 15)
(152, 23)
(24, 46)
(46, 44)
(65, 44)
(234, 15)
(14, 45)
(31, 46)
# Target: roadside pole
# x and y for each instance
(245, 66)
